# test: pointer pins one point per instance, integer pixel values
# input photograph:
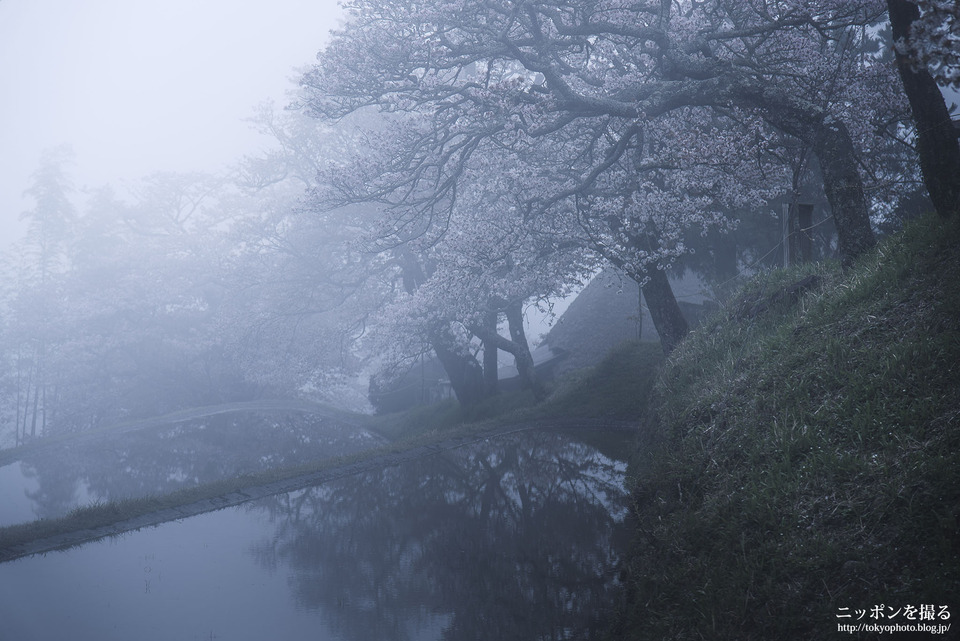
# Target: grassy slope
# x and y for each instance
(810, 456)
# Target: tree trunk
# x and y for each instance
(804, 225)
(665, 313)
(835, 151)
(664, 310)
(465, 373)
(36, 404)
(844, 188)
(43, 412)
(16, 422)
(523, 358)
(936, 137)
(490, 365)
(520, 351)
(463, 370)
(26, 409)
(639, 314)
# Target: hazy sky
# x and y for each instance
(136, 86)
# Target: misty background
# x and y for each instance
(239, 273)
(135, 86)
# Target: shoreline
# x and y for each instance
(96, 522)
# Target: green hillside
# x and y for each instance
(808, 463)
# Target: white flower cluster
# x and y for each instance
(935, 40)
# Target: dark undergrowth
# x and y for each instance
(617, 388)
(808, 464)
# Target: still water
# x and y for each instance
(54, 480)
(515, 537)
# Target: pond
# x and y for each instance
(50, 482)
(513, 537)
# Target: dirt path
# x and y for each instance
(67, 539)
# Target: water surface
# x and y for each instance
(516, 537)
(50, 482)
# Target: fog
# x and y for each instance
(136, 86)
(373, 366)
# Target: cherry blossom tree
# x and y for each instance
(930, 33)
(578, 92)
(490, 266)
(463, 260)
(927, 44)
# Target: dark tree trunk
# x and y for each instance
(805, 224)
(517, 346)
(490, 365)
(665, 313)
(844, 188)
(639, 314)
(664, 310)
(463, 370)
(523, 357)
(465, 373)
(835, 151)
(26, 409)
(16, 422)
(936, 137)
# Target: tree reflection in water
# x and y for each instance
(512, 538)
(162, 460)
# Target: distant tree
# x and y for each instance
(40, 287)
(301, 289)
(297, 302)
(117, 312)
